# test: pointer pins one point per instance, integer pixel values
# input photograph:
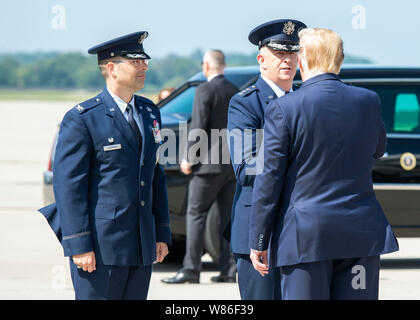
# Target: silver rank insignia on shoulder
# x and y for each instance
(148, 109)
(152, 116)
(79, 107)
(111, 140)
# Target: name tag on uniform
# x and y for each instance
(112, 147)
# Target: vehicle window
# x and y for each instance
(182, 103)
(406, 113)
(239, 79)
(400, 106)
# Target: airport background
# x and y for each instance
(43, 45)
(45, 70)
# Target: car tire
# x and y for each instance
(211, 235)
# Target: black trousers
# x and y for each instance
(203, 191)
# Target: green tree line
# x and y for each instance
(77, 70)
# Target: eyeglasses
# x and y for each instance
(134, 63)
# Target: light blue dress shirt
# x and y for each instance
(123, 107)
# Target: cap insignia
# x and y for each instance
(289, 28)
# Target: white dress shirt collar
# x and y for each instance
(213, 76)
(120, 102)
(277, 90)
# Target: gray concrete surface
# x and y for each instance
(32, 265)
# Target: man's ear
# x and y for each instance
(110, 68)
(261, 61)
(300, 64)
(205, 67)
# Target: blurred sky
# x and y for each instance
(389, 34)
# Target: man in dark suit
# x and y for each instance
(212, 176)
(314, 202)
(111, 210)
(278, 44)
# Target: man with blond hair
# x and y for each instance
(314, 202)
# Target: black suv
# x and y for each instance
(396, 176)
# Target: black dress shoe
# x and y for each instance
(183, 276)
(223, 278)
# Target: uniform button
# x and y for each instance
(142, 203)
(142, 164)
(142, 183)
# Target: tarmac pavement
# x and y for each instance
(32, 265)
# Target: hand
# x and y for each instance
(260, 261)
(86, 261)
(161, 251)
(186, 168)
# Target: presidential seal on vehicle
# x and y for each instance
(408, 161)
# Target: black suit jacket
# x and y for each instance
(210, 111)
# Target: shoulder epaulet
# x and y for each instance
(248, 90)
(88, 104)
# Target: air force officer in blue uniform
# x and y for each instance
(278, 44)
(314, 201)
(111, 197)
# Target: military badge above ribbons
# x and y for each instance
(156, 132)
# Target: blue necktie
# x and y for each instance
(133, 125)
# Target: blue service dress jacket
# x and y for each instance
(314, 199)
(111, 197)
(246, 112)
